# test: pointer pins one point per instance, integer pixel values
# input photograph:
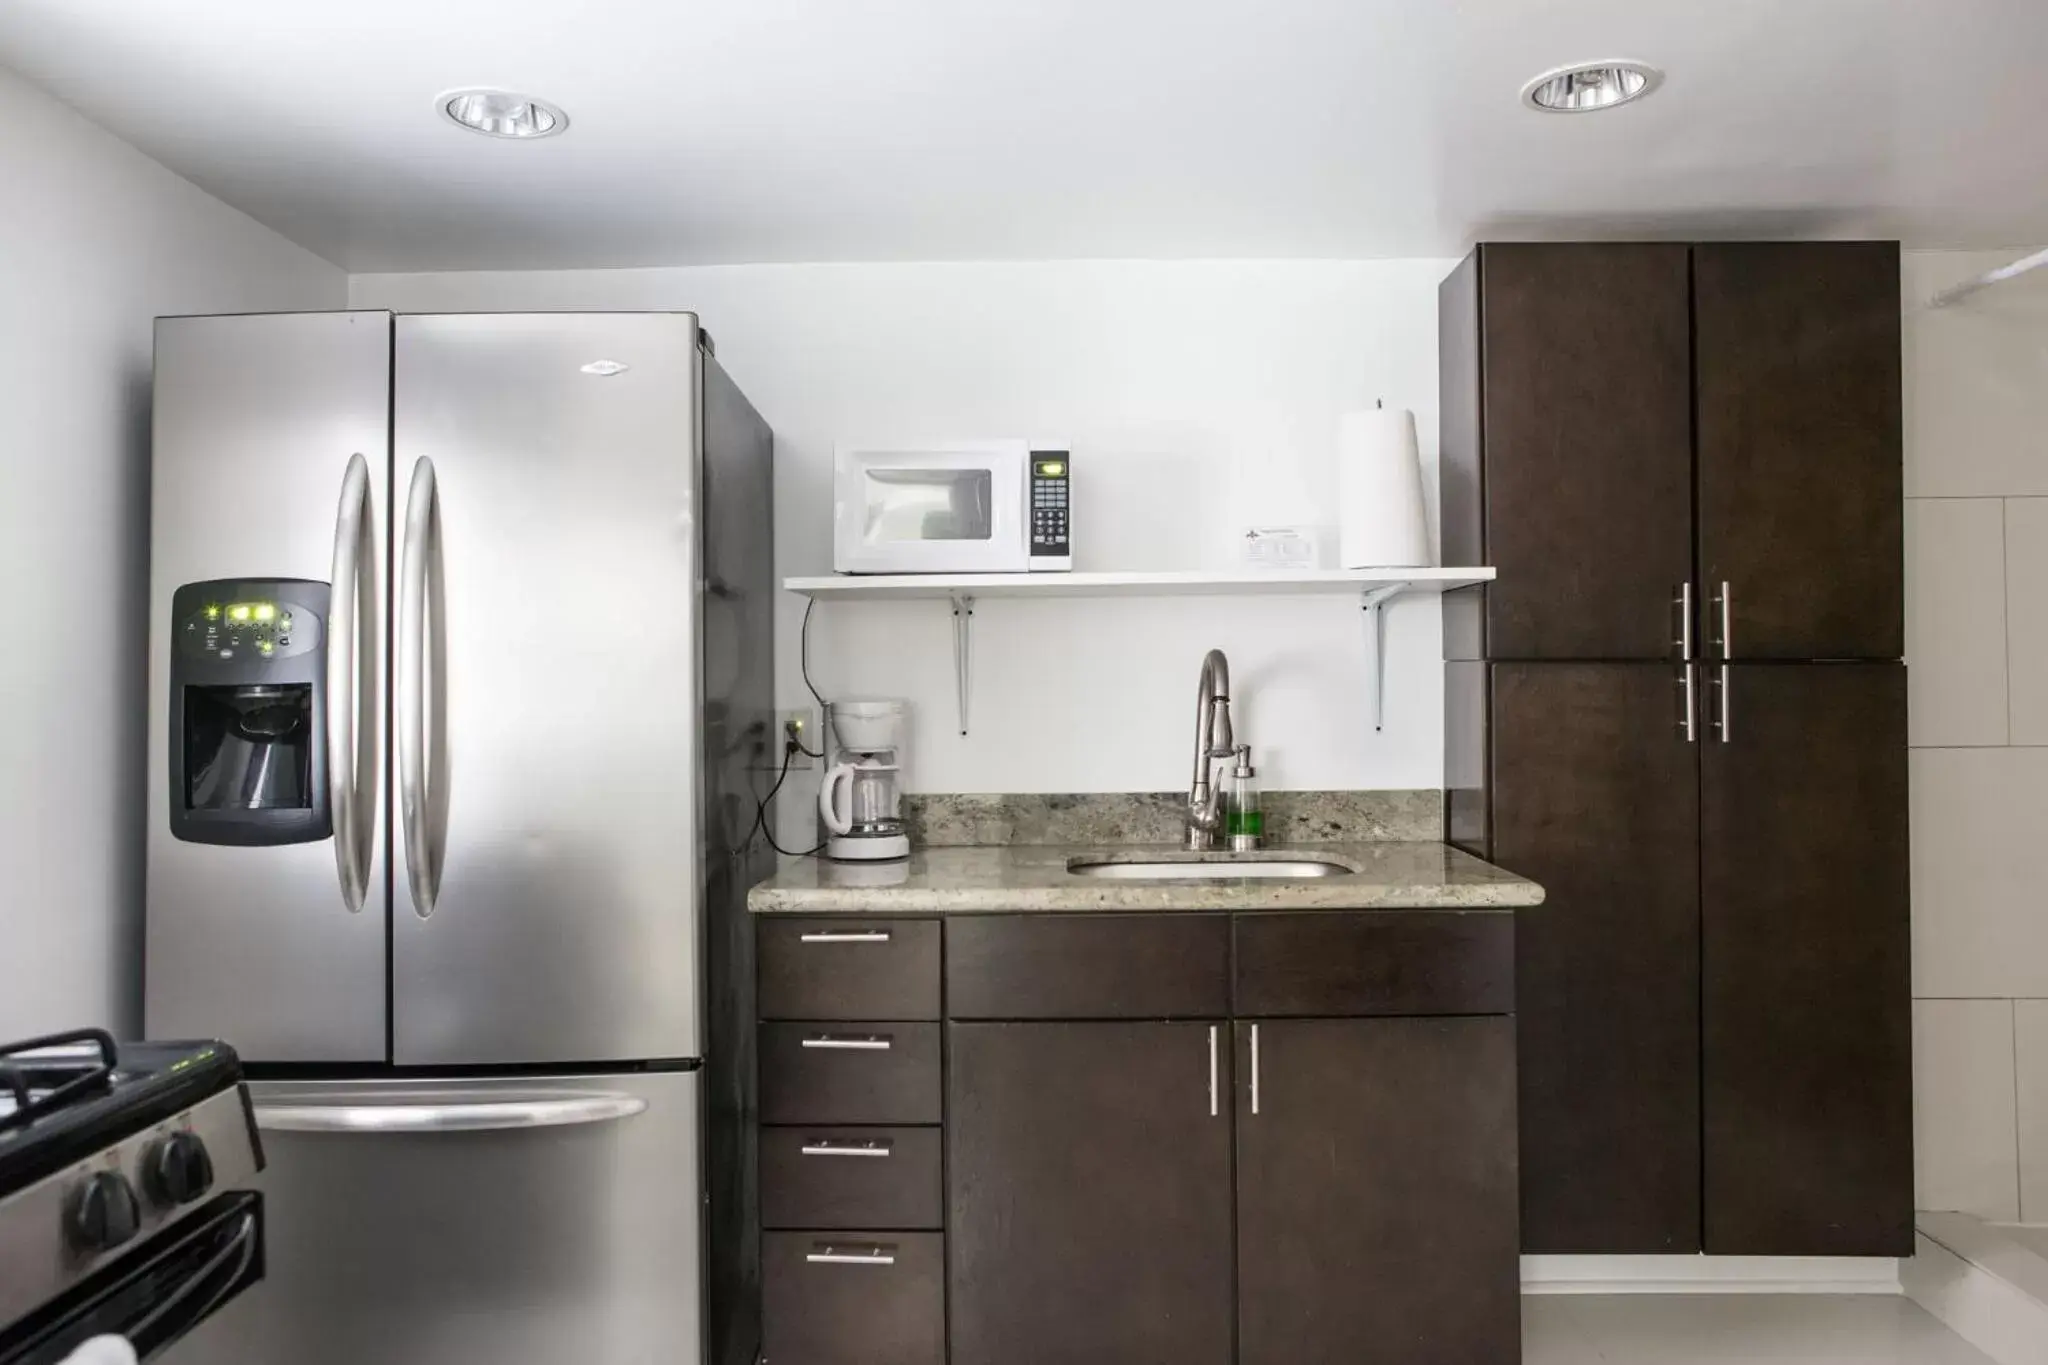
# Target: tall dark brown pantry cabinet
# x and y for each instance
(1681, 708)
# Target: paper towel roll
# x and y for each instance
(1381, 519)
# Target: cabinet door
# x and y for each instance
(1586, 424)
(1800, 509)
(1089, 1196)
(1596, 796)
(1807, 1010)
(1376, 1193)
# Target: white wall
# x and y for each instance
(95, 241)
(1977, 642)
(1199, 397)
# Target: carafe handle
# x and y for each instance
(828, 808)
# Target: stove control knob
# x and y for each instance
(177, 1170)
(103, 1213)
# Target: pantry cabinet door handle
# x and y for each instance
(1689, 726)
(1255, 1068)
(829, 1147)
(1724, 703)
(842, 1042)
(1683, 601)
(1725, 599)
(845, 936)
(1215, 1106)
(873, 1253)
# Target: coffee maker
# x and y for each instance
(860, 799)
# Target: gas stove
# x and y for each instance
(125, 1204)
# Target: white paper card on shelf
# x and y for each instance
(1282, 547)
(1382, 522)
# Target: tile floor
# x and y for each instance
(1737, 1329)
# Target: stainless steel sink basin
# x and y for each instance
(1216, 870)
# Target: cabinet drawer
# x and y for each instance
(853, 1298)
(849, 968)
(1374, 962)
(833, 1177)
(1088, 966)
(848, 1071)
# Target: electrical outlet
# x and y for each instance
(801, 725)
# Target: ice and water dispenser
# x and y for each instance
(248, 725)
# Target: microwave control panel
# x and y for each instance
(1052, 546)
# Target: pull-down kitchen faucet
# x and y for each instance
(1213, 740)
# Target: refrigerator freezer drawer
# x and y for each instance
(496, 1221)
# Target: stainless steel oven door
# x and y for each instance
(483, 1221)
(157, 1294)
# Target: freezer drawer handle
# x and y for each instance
(870, 1253)
(353, 684)
(828, 1147)
(555, 1111)
(846, 936)
(416, 804)
(872, 1042)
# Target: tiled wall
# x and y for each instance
(1977, 641)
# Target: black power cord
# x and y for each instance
(803, 655)
(792, 746)
(790, 749)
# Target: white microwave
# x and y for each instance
(978, 507)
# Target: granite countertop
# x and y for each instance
(1034, 877)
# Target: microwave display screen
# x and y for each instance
(901, 505)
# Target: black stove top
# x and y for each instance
(66, 1096)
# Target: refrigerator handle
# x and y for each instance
(422, 856)
(353, 684)
(557, 1111)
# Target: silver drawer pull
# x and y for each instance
(827, 1147)
(845, 936)
(871, 1042)
(856, 1254)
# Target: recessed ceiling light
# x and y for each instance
(1587, 86)
(500, 113)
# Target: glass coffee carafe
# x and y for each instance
(860, 799)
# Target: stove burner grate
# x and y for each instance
(28, 1106)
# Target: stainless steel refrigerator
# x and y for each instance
(460, 688)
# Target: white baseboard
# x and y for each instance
(1710, 1275)
(1981, 1286)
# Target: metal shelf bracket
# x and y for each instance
(1371, 601)
(963, 655)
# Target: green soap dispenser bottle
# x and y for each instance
(1244, 820)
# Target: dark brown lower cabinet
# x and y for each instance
(1376, 1193)
(1807, 1024)
(1088, 1171)
(1595, 794)
(853, 1298)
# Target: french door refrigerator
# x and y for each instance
(460, 665)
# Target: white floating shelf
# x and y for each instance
(1373, 588)
(1195, 583)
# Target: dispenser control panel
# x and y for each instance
(253, 629)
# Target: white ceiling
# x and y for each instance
(779, 130)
